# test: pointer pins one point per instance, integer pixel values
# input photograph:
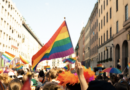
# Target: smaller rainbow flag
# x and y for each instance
(23, 60)
(99, 66)
(67, 67)
(19, 67)
(70, 60)
(128, 65)
(101, 72)
(8, 56)
(47, 67)
(18, 63)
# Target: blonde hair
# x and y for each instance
(51, 86)
(15, 84)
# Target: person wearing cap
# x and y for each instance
(35, 84)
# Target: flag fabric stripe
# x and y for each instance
(58, 46)
(70, 60)
(23, 60)
(62, 42)
(8, 56)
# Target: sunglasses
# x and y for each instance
(12, 76)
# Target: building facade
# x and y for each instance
(105, 32)
(15, 35)
(94, 36)
(121, 32)
(87, 44)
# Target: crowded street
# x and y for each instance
(64, 45)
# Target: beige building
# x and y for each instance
(94, 36)
(106, 24)
(87, 44)
(15, 35)
(121, 33)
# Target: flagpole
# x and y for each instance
(68, 32)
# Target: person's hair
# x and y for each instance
(59, 71)
(51, 86)
(120, 86)
(15, 84)
(99, 77)
(53, 74)
(20, 72)
(73, 87)
(114, 79)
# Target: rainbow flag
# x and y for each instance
(23, 60)
(46, 67)
(67, 67)
(19, 67)
(128, 65)
(8, 56)
(70, 60)
(18, 63)
(58, 46)
(101, 72)
(99, 66)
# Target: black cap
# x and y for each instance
(100, 85)
(41, 73)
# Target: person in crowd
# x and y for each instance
(53, 76)
(51, 86)
(15, 84)
(41, 76)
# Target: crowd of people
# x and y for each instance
(59, 79)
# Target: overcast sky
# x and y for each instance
(45, 16)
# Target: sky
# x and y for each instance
(45, 16)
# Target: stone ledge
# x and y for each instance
(126, 24)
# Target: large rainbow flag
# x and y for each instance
(8, 56)
(58, 46)
(23, 60)
(70, 60)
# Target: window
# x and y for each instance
(2, 10)
(99, 26)
(4, 24)
(99, 56)
(107, 53)
(104, 4)
(110, 32)
(110, 13)
(99, 12)
(104, 37)
(104, 55)
(116, 26)
(111, 52)
(4, 36)
(107, 17)
(101, 9)
(116, 5)
(126, 12)
(101, 40)
(1, 21)
(0, 33)
(104, 20)
(107, 34)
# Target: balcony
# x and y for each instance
(126, 24)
